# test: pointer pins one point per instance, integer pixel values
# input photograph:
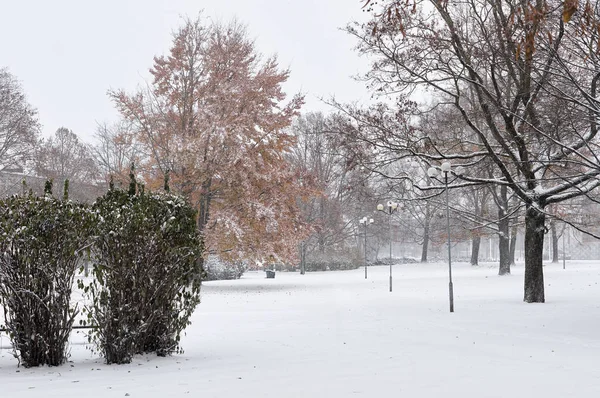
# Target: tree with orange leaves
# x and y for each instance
(214, 118)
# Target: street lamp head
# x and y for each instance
(380, 207)
(366, 221)
(446, 167)
(432, 172)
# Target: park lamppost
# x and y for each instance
(433, 173)
(389, 210)
(365, 222)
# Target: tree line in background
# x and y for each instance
(513, 99)
(506, 89)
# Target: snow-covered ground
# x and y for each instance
(335, 334)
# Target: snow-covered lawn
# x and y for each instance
(335, 334)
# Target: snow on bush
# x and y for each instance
(330, 261)
(219, 269)
(147, 273)
(42, 240)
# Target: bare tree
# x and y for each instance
(523, 60)
(64, 157)
(322, 165)
(19, 125)
(116, 149)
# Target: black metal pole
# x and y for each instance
(564, 253)
(450, 287)
(366, 221)
(390, 225)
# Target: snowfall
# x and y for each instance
(337, 334)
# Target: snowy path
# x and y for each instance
(336, 334)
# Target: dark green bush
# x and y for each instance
(146, 272)
(42, 239)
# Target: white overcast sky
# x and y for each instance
(68, 53)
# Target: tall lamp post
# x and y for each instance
(389, 209)
(433, 173)
(564, 252)
(365, 222)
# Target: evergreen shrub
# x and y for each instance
(42, 241)
(147, 271)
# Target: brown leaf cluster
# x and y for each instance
(214, 117)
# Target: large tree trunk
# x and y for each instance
(534, 249)
(504, 249)
(425, 243)
(513, 244)
(475, 245)
(503, 233)
(204, 205)
(554, 242)
(321, 235)
(478, 204)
